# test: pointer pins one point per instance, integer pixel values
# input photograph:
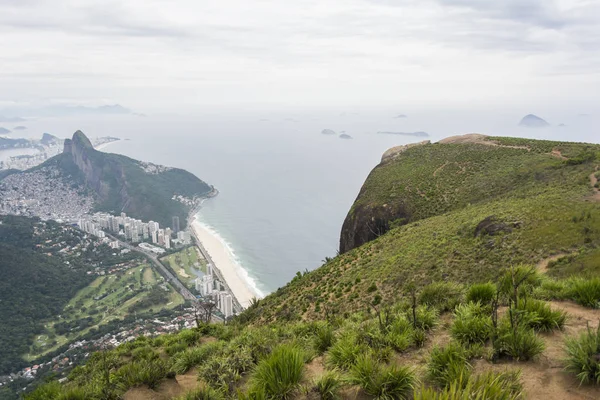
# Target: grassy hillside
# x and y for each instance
(513, 206)
(488, 287)
(452, 343)
(434, 179)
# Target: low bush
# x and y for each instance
(448, 364)
(487, 386)
(381, 381)
(48, 391)
(471, 324)
(482, 293)
(399, 341)
(542, 318)
(225, 370)
(427, 317)
(279, 375)
(324, 338)
(583, 356)
(133, 374)
(202, 393)
(551, 289)
(521, 344)
(585, 291)
(328, 386)
(529, 277)
(144, 353)
(443, 296)
(193, 356)
(344, 352)
(173, 348)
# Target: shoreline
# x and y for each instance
(103, 145)
(233, 275)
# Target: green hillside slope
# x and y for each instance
(455, 211)
(483, 282)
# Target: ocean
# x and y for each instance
(285, 188)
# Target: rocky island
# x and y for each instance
(533, 121)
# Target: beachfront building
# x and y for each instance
(225, 303)
(206, 286)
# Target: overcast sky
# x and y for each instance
(178, 54)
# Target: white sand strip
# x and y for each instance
(223, 260)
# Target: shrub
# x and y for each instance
(441, 295)
(189, 336)
(344, 352)
(482, 293)
(279, 375)
(529, 277)
(48, 391)
(144, 353)
(225, 370)
(521, 344)
(399, 341)
(585, 291)
(148, 373)
(551, 289)
(328, 386)
(448, 364)
(260, 341)
(174, 348)
(426, 317)
(380, 381)
(189, 358)
(202, 393)
(543, 318)
(419, 337)
(471, 324)
(487, 386)
(324, 338)
(583, 356)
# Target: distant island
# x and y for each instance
(4, 131)
(345, 136)
(401, 116)
(20, 128)
(415, 134)
(328, 132)
(533, 121)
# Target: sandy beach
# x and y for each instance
(223, 260)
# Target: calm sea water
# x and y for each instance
(284, 187)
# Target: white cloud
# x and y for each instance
(161, 54)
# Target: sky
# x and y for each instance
(170, 55)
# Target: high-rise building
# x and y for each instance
(225, 304)
(175, 224)
(206, 286)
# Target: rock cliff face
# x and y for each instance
(121, 184)
(94, 169)
(367, 221)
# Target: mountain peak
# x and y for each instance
(79, 141)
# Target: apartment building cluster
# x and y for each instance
(210, 288)
(134, 230)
